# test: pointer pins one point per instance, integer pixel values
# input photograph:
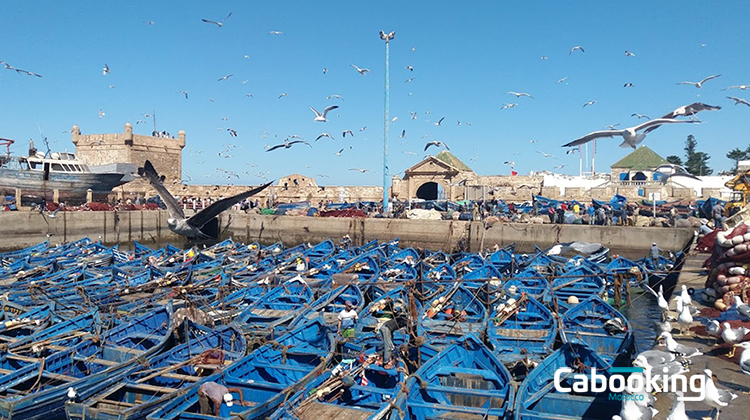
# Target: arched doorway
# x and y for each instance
(431, 191)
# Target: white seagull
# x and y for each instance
(363, 72)
(663, 304)
(741, 307)
(678, 349)
(639, 116)
(690, 110)
(733, 336)
(685, 296)
(184, 92)
(282, 95)
(218, 24)
(323, 135)
(740, 87)
(438, 123)
(700, 84)
(519, 94)
(678, 408)
(203, 224)
(105, 70)
(738, 101)
(276, 33)
(436, 143)
(225, 77)
(745, 358)
(508, 106)
(629, 54)
(685, 319)
(630, 135)
(360, 170)
(715, 397)
(589, 103)
(545, 154)
(322, 117)
(577, 47)
(347, 132)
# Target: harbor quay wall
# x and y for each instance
(24, 228)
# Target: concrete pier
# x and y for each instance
(20, 229)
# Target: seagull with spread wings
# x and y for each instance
(700, 84)
(360, 170)
(576, 48)
(519, 94)
(323, 135)
(347, 132)
(738, 101)
(287, 145)
(690, 110)
(363, 72)
(630, 135)
(322, 117)
(669, 170)
(203, 225)
(439, 122)
(225, 77)
(436, 143)
(218, 24)
(639, 116)
(105, 70)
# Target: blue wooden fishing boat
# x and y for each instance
(452, 315)
(575, 284)
(162, 377)
(330, 304)
(598, 325)
(39, 390)
(465, 380)
(354, 389)
(537, 398)
(521, 328)
(273, 311)
(503, 259)
(436, 280)
(266, 377)
(528, 281)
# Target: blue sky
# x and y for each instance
(465, 56)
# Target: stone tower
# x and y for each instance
(103, 149)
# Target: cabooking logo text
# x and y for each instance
(622, 386)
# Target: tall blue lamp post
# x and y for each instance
(387, 38)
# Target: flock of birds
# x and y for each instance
(631, 136)
(675, 358)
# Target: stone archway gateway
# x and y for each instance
(430, 191)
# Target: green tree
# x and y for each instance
(696, 162)
(737, 155)
(675, 160)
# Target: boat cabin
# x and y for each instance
(57, 162)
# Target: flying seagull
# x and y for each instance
(322, 117)
(339, 152)
(282, 95)
(324, 135)
(578, 47)
(287, 145)
(410, 68)
(508, 106)
(669, 170)
(700, 84)
(629, 54)
(519, 94)
(184, 92)
(738, 101)
(276, 33)
(741, 87)
(361, 71)
(360, 170)
(347, 132)
(334, 96)
(203, 225)
(545, 154)
(105, 70)
(436, 143)
(589, 103)
(630, 135)
(692, 109)
(635, 114)
(403, 133)
(218, 24)
(440, 121)
(225, 77)
(627, 85)
(611, 126)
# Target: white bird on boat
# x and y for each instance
(715, 397)
(630, 135)
(322, 117)
(686, 300)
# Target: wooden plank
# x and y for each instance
(153, 388)
(270, 313)
(316, 411)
